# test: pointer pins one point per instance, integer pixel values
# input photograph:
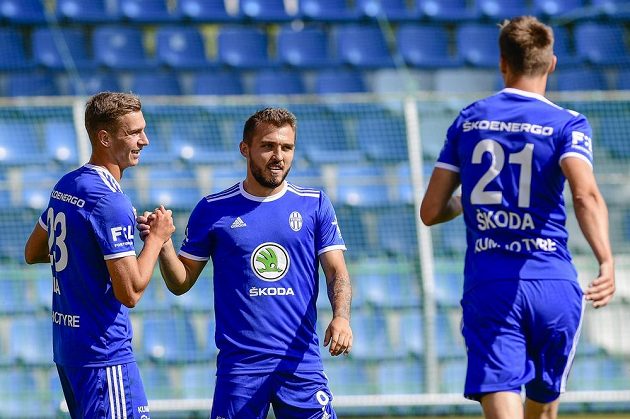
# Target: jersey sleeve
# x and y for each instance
(576, 140)
(113, 222)
(449, 158)
(328, 235)
(43, 222)
(196, 244)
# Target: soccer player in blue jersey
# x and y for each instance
(87, 235)
(522, 304)
(266, 238)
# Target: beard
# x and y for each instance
(268, 181)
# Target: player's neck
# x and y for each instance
(114, 169)
(256, 189)
(528, 84)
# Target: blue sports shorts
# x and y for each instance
(293, 395)
(113, 392)
(521, 333)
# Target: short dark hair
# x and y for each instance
(103, 110)
(278, 117)
(526, 45)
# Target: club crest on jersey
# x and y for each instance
(295, 221)
(270, 262)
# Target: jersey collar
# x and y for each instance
(107, 177)
(532, 95)
(263, 198)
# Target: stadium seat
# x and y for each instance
(623, 80)
(557, 8)
(563, 48)
(464, 80)
(197, 381)
(327, 11)
(201, 142)
(597, 373)
(452, 375)
(278, 82)
(169, 338)
(181, 48)
(601, 44)
(370, 331)
(158, 382)
(19, 143)
(217, 83)
(339, 81)
(450, 238)
(120, 48)
(201, 295)
(361, 185)
(354, 232)
(211, 11)
(362, 47)
(14, 295)
(449, 287)
(31, 84)
(12, 51)
(400, 377)
(613, 135)
(477, 44)
(28, 12)
(502, 9)
(387, 289)
(349, 378)
(446, 10)
(30, 340)
(578, 79)
(36, 186)
(424, 46)
(305, 48)
(612, 9)
(16, 222)
(172, 188)
(383, 138)
(17, 387)
(242, 47)
(410, 339)
(156, 84)
(391, 10)
(81, 11)
(396, 227)
(61, 49)
(324, 140)
(146, 11)
(264, 11)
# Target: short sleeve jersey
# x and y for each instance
(507, 149)
(89, 220)
(264, 253)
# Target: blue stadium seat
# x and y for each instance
(23, 11)
(217, 83)
(61, 49)
(452, 376)
(81, 11)
(12, 51)
(14, 295)
(305, 48)
(309, 177)
(425, 46)
(339, 81)
(370, 331)
(159, 382)
(450, 238)
(15, 222)
(120, 48)
(17, 387)
(197, 381)
(349, 378)
(327, 11)
(146, 11)
(392, 10)
(383, 138)
(168, 337)
(156, 84)
(388, 290)
(201, 142)
(201, 296)
(324, 140)
(601, 44)
(449, 287)
(36, 186)
(30, 340)
(563, 48)
(478, 45)
(613, 135)
(597, 373)
(362, 47)
(264, 11)
(446, 10)
(396, 226)
(31, 84)
(181, 48)
(557, 8)
(400, 377)
(411, 334)
(354, 232)
(278, 82)
(612, 9)
(61, 141)
(623, 80)
(502, 9)
(19, 143)
(87, 84)
(242, 47)
(173, 188)
(209, 350)
(576, 79)
(361, 185)
(206, 11)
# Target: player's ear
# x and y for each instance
(243, 148)
(103, 138)
(552, 66)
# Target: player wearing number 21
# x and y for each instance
(522, 304)
(87, 235)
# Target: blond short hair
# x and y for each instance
(526, 45)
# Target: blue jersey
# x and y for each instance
(507, 150)
(89, 220)
(265, 258)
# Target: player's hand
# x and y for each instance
(142, 224)
(160, 223)
(601, 290)
(339, 336)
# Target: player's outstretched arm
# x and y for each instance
(438, 204)
(131, 275)
(36, 249)
(338, 333)
(592, 215)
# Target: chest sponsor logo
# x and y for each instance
(270, 262)
(295, 221)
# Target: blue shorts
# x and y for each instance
(521, 333)
(113, 392)
(292, 395)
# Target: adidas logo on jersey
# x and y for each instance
(238, 223)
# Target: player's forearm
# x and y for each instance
(340, 296)
(173, 270)
(146, 262)
(592, 215)
(432, 215)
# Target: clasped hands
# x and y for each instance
(158, 223)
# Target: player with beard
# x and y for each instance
(266, 238)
